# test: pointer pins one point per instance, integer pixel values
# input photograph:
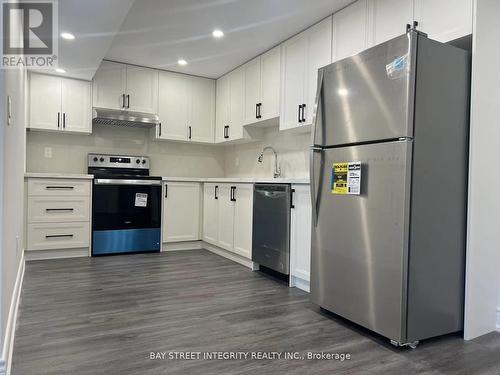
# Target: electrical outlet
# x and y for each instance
(47, 152)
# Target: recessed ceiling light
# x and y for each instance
(60, 70)
(217, 33)
(67, 36)
(182, 62)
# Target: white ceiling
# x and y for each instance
(94, 23)
(156, 33)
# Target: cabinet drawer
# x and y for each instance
(58, 236)
(58, 187)
(58, 209)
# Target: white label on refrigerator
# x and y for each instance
(141, 200)
(346, 178)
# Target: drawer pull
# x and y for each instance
(59, 236)
(59, 187)
(59, 209)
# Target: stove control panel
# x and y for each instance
(118, 161)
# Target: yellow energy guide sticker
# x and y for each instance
(346, 178)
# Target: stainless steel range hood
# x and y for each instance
(124, 118)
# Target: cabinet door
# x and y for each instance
(236, 103)
(142, 89)
(389, 19)
(211, 213)
(319, 54)
(293, 68)
(181, 212)
(202, 112)
(76, 106)
(252, 90)
(222, 107)
(350, 30)
(444, 20)
(226, 218)
(270, 68)
(108, 85)
(174, 94)
(243, 214)
(45, 102)
(300, 233)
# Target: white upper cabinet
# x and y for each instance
(262, 87)
(444, 20)
(270, 77)
(243, 215)
(389, 19)
(181, 211)
(319, 54)
(61, 104)
(142, 89)
(45, 102)
(125, 87)
(174, 94)
(222, 108)
(236, 104)
(109, 86)
(201, 126)
(186, 108)
(301, 58)
(350, 30)
(76, 106)
(252, 90)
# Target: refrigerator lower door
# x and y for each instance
(359, 244)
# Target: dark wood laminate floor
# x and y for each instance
(105, 316)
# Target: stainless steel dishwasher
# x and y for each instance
(271, 226)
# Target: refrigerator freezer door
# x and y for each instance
(368, 97)
(359, 245)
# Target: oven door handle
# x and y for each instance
(107, 181)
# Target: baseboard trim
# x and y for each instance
(231, 256)
(56, 254)
(10, 329)
(178, 246)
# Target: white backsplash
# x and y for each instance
(69, 153)
(292, 149)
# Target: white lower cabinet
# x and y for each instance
(300, 236)
(181, 211)
(58, 215)
(210, 213)
(243, 215)
(227, 217)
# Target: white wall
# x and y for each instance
(293, 155)
(483, 244)
(13, 163)
(69, 152)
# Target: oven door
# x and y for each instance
(126, 216)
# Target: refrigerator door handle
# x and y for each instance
(315, 182)
(316, 109)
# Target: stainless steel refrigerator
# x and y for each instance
(389, 162)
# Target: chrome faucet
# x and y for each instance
(277, 169)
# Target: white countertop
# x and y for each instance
(241, 180)
(249, 180)
(59, 175)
